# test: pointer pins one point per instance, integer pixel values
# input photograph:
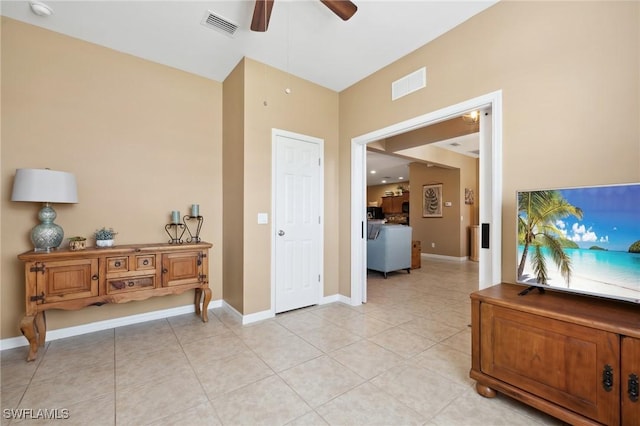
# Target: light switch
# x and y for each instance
(448, 203)
(263, 218)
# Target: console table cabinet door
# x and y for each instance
(182, 268)
(61, 280)
(560, 362)
(629, 381)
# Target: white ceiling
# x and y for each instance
(304, 37)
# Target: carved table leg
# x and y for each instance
(205, 304)
(485, 391)
(41, 328)
(27, 327)
(197, 299)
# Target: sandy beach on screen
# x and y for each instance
(585, 285)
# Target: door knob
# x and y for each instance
(281, 232)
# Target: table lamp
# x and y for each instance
(45, 186)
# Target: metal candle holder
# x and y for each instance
(193, 238)
(175, 232)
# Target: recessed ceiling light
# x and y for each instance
(400, 177)
(373, 172)
(384, 181)
(40, 8)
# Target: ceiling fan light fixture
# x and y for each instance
(40, 8)
(471, 117)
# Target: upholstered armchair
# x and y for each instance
(391, 250)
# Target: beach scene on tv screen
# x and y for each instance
(585, 240)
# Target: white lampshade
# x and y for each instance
(44, 185)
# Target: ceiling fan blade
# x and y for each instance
(261, 15)
(343, 8)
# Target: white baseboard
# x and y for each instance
(258, 316)
(61, 333)
(338, 298)
(442, 257)
(263, 315)
(329, 299)
(250, 318)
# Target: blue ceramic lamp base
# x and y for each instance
(47, 236)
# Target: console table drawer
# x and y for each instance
(120, 285)
(117, 264)
(141, 262)
(145, 262)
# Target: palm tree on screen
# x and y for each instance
(538, 215)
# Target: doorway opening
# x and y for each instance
(490, 184)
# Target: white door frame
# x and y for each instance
(490, 266)
(285, 133)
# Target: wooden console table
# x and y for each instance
(70, 280)
(574, 357)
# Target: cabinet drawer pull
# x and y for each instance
(131, 283)
(632, 388)
(607, 378)
(145, 262)
(165, 270)
(117, 264)
(94, 277)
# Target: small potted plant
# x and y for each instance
(104, 237)
(77, 243)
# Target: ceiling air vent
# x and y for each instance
(219, 23)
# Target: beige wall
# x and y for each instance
(428, 230)
(309, 110)
(233, 188)
(446, 231)
(569, 75)
(141, 138)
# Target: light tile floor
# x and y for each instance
(401, 359)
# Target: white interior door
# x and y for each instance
(297, 225)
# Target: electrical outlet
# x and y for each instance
(433, 245)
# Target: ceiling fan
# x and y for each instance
(262, 12)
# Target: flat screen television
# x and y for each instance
(582, 239)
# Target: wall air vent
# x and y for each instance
(409, 84)
(219, 23)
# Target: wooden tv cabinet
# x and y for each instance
(70, 280)
(574, 357)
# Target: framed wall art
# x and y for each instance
(468, 196)
(432, 200)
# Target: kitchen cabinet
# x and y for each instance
(393, 203)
